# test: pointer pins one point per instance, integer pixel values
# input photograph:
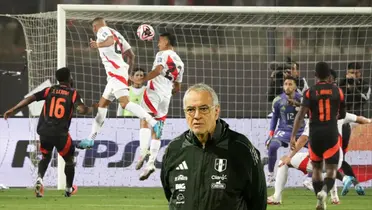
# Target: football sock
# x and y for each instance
(317, 185)
(43, 165)
(328, 184)
(70, 173)
(280, 181)
(154, 149)
(334, 191)
(98, 122)
(144, 136)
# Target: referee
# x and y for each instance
(211, 166)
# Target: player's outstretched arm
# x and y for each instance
(342, 108)
(19, 106)
(297, 124)
(154, 73)
(129, 54)
(107, 43)
(273, 123)
(274, 120)
(82, 109)
(301, 142)
(304, 108)
(276, 114)
(176, 87)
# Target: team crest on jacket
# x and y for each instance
(220, 165)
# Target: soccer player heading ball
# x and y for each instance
(164, 81)
(112, 48)
(53, 126)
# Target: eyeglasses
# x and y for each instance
(202, 110)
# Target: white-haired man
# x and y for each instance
(204, 165)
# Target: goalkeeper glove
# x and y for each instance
(268, 140)
(85, 144)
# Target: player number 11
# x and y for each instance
(324, 109)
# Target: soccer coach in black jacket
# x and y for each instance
(211, 167)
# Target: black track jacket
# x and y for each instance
(226, 174)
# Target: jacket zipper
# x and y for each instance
(201, 177)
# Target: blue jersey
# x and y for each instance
(286, 114)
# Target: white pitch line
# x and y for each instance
(62, 196)
(90, 205)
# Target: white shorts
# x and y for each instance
(117, 86)
(302, 161)
(155, 103)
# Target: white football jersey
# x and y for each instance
(173, 69)
(349, 118)
(111, 56)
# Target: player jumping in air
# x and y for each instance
(164, 81)
(284, 110)
(302, 162)
(53, 126)
(326, 104)
(112, 48)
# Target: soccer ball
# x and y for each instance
(145, 32)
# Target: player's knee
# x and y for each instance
(69, 160)
(273, 147)
(144, 124)
(316, 165)
(331, 170)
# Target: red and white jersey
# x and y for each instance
(111, 56)
(173, 69)
(349, 118)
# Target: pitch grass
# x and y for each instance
(152, 199)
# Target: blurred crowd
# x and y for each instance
(356, 88)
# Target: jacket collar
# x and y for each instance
(217, 136)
